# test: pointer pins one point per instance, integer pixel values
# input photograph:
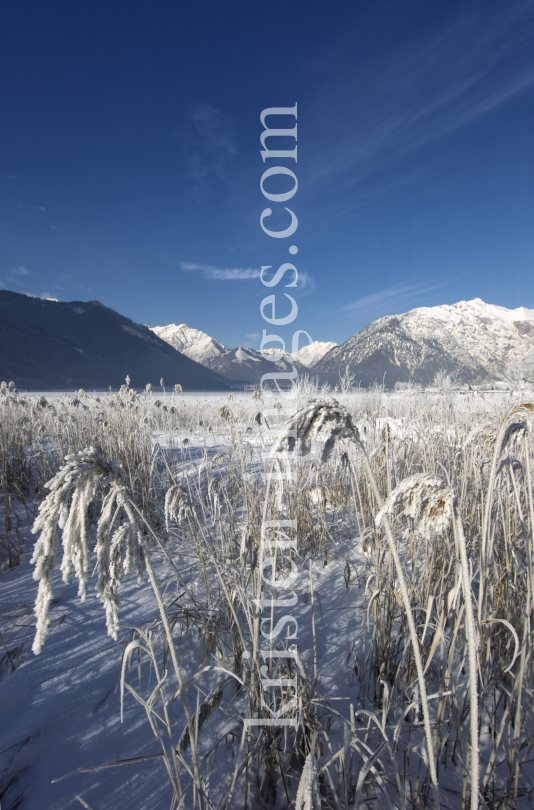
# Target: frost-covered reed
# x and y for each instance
(435, 492)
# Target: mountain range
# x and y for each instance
(475, 340)
(46, 344)
(242, 365)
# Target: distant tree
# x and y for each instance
(347, 381)
(516, 376)
(447, 380)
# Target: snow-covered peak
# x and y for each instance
(192, 342)
(472, 310)
(479, 327)
(245, 355)
(474, 332)
(479, 340)
(308, 355)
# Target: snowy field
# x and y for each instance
(402, 562)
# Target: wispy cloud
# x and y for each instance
(218, 274)
(211, 144)
(398, 103)
(305, 281)
(24, 207)
(392, 299)
(253, 336)
(18, 277)
(15, 275)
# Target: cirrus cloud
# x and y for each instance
(305, 281)
(390, 299)
(210, 141)
(218, 274)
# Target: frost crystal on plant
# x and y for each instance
(308, 797)
(119, 539)
(306, 424)
(177, 505)
(426, 499)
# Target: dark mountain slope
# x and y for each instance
(51, 344)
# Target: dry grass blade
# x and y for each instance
(199, 718)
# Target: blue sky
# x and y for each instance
(130, 157)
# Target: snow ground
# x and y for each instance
(60, 710)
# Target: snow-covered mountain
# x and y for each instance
(308, 355)
(481, 339)
(241, 365)
(192, 342)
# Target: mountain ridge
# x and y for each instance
(478, 339)
(49, 344)
(46, 343)
(193, 343)
(241, 365)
